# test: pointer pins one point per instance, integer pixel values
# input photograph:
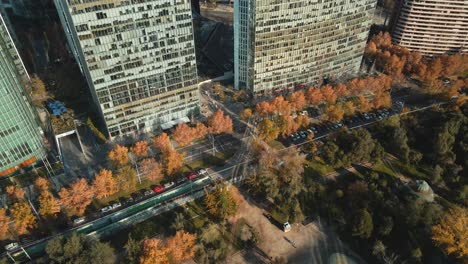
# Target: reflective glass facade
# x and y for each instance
(20, 133)
(138, 57)
(283, 43)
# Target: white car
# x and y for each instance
(11, 246)
(168, 185)
(78, 221)
(106, 209)
(202, 171)
(116, 205)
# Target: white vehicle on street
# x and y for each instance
(202, 171)
(78, 221)
(11, 246)
(106, 209)
(168, 185)
(116, 205)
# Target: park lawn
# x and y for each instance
(381, 168)
(276, 144)
(411, 171)
(318, 166)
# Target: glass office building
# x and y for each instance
(280, 44)
(20, 133)
(138, 57)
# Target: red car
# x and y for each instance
(192, 175)
(158, 189)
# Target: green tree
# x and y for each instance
(133, 249)
(363, 225)
(221, 202)
(386, 226)
(79, 249)
(267, 130)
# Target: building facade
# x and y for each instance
(138, 58)
(282, 44)
(21, 141)
(432, 26)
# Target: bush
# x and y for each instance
(101, 139)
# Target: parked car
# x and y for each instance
(129, 200)
(169, 185)
(78, 221)
(192, 175)
(138, 196)
(116, 205)
(181, 180)
(11, 246)
(149, 192)
(106, 209)
(158, 189)
(202, 171)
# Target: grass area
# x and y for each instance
(410, 171)
(317, 166)
(381, 168)
(209, 160)
(276, 144)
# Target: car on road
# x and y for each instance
(192, 175)
(78, 221)
(129, 200)
(116, 205)
(106, 209)
(302, 134)
(148, 192)
(138, 196)
(11, 246)
(168, 185)
(181, 180)
(202, 171)
(158, 189)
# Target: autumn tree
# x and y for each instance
(126, 179)
(329, 94)
(264, 108)
(39, 93)
(302, 121)
(333, 113)
(76, 198)
(118, 155)
(217, 89)
(246, 114)
(163, 142)
(151, 169)
(314, 96)
(140, 149)
(14, 192)
(104, 184)
(220, 202)
(267, 130)
(22, 217)
(154, 252)
(181, 247)
(451, 234)
(4, 224)
(281, 106)
(41, 184)
(200, 130)
(183, 134)
(48, 205)
(219, 123)
(341, 90)
(297, 100)
(172, 161)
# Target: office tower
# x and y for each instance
(432, 27)
(281, 44)
(20, 133)
(138, 58)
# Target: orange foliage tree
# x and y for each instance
(219, 123)
(302, 121)
(14, 192)
(151, 169)
(314, 96)
(264, 109)
(173, 161)
(163, 142)
(76, 198)
(333, 113)
(246, 114)
(329, 94)
(41, 184)
(154, 252)
(297, 100)
(4, 224)
(451, 234)
(183, 134)
(181, 247)
(140, 149)
(281, 106)
(200, 130)
(48, 205)
(22, 217)
(104, 184)
(119, 155)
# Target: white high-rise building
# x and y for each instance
(138, 57)
(280, 44)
